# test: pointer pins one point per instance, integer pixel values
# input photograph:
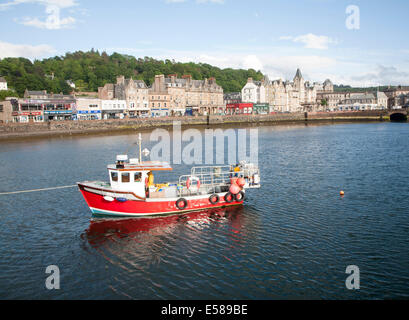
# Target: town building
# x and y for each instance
(38, 106)
(134, 92)
(3, 84)
(173, 96)
(233, 97)
(113, 109)
(354, 101)
(396, 96)
(285, 96)
(329, 101)
(254, 92)
(6, 111)
(88, 109)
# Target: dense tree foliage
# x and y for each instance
(90, 70)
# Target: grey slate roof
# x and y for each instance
(298, 74)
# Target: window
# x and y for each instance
(114, 176)
(1, 108)
(126, 177)
(137, 177)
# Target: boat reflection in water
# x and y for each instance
(102, 229)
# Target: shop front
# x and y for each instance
(142, 112)
(88, 115)
(57, 115)
(239, 108)
(27, 116)
(261, 108)
(113, 114)
(160, 112)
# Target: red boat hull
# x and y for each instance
(150, 207)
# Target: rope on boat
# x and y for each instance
(37, 190)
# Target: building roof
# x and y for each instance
(362, 96)
(2, 79)
(298, 74)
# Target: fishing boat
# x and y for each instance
(132, 191)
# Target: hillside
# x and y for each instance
(90, 70)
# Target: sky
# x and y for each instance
(355, 42)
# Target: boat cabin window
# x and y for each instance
(126, 177)
(114, 176)
(138, 177)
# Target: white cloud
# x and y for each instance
(311, 41)
(25, 50)
(53, 21)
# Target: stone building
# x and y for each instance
(3, 84)
(172, 95)
(298, 95)
(88, 109)
(6, 111)
(396, 96)
(353, 101)
(134, 92)
(329, 101)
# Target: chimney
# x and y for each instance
(120, 80)
(250, 80)
(172, 78)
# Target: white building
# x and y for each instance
(254, 92)
(382, 100)
(3, 84)
(113, 109)
(88, 109)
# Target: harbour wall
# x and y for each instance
(62, 128)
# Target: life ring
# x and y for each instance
(229, 197)
(240, 196)
(181, 204)
(189, 182)
(214, 199)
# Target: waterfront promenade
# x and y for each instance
(61, 128)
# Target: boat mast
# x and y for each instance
(140, 147)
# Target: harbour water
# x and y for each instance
(293, 239)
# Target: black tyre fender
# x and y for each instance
(240, 196)
(229, 197)
(214, 199)
(181, 204)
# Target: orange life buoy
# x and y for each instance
(189, 182)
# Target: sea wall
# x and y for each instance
(61, 128)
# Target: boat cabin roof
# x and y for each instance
(144, 166)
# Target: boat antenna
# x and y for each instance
(140, 147)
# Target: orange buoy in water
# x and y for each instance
(342, 193)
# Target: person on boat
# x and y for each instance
(151, 179)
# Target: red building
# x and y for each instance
(239, 108)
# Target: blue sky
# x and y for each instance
(275, 36)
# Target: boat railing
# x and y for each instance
(209, 182)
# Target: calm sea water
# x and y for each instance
(293, 239)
